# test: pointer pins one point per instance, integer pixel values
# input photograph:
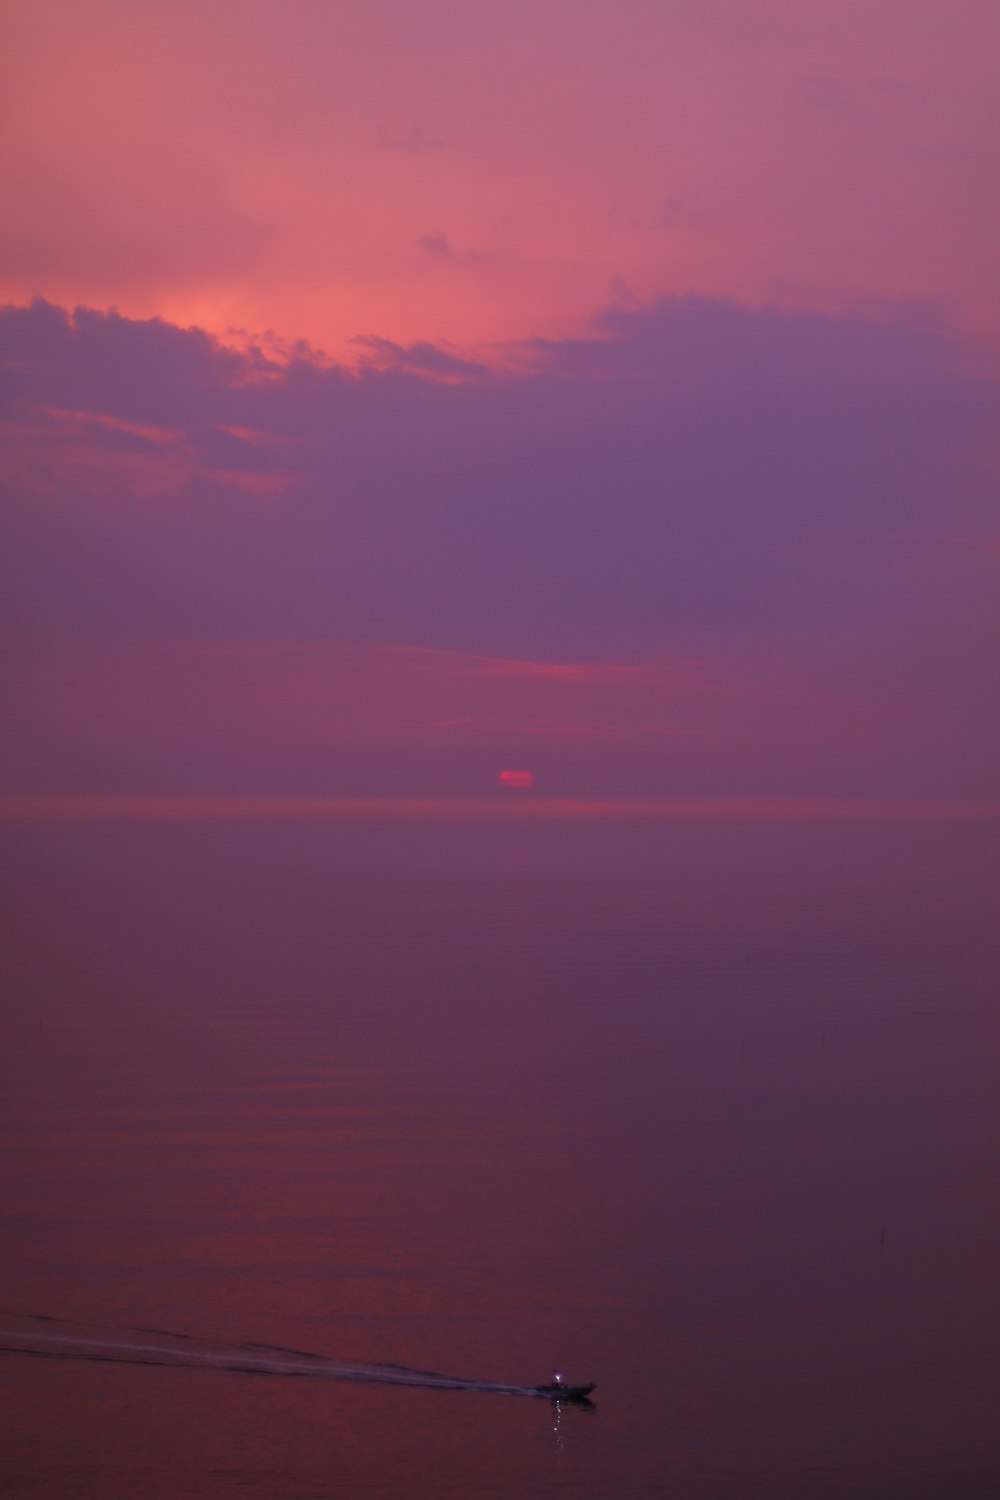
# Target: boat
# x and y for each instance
(558, 1390)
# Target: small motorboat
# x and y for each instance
(558, 1390)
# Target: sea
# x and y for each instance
(325, 1142)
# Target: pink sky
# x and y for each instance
(644, 434)
(481, 173)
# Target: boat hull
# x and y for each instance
(566, 1392)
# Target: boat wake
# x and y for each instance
(45, 1337)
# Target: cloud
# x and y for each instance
(436, 244)
(440, 247)
(694, 466)
(412, 142)
(254, 715)
(418, 359)
(704, 525)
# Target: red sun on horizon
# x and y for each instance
(520, 780)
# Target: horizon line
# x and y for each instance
(182, 807)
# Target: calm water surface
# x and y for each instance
(707, 1114)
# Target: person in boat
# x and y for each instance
(558, 1381)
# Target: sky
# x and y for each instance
(395, 394)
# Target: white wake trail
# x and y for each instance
(183, 1351)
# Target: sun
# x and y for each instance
(521, 781)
